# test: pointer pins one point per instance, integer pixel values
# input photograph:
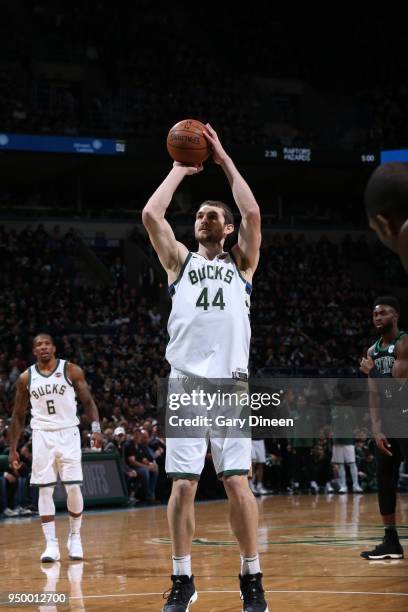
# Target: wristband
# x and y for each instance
(96, 427)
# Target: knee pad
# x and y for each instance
(75, 501)
(46, 506)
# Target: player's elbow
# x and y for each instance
(147, 216)
(253, 214)
(253, 217)
(150, 217)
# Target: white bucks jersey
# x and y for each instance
(209, 325)
(52, 397)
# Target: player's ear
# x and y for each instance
(403, 245)
(383, 225)
(229, 229)
(387, 225)
(386, 230)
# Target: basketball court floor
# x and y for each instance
(309, 552)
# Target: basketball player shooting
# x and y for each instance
(50, 385)
(209, 338)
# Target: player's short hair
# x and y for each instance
(387, 191)
(40, 335)
(228, 214)
(387, 300)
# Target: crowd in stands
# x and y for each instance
(318, 315)
(133, 71)
(310, 316)
(58, 200)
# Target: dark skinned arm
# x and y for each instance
(400, 367)
(400, 373)
(21, 402)
(375, 412)
(374, 400)
(76, 376)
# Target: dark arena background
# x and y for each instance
(307, 102)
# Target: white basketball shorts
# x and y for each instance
(185, 456)
(343, 453)
(56, 452)
(258, 451)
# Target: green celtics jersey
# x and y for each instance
(384, 356)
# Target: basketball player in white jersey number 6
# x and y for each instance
(209, 337)
(50, 385)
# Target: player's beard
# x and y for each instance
(210, 238)
(386, 328)
(45, 358)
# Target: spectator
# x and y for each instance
(118, 445)
(344, 454)
(321, 473)
(140, 457)
(258, 462)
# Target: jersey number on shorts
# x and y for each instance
(218, 300)
(50, 406)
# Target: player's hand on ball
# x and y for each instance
(366, 365)
(218, 153)
(96, 441)
(188, 170)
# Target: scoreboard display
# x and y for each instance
(320, 156)
(275, 154)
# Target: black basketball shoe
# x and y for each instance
(181, 595)
(390, 548)
(252, 593)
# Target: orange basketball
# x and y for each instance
(186, 142)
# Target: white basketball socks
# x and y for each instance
(250, 565)
(182, 566)
(354, 474)
(75, 524)
(49, 530)
(342, 475)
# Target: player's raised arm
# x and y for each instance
(170, 252)
(249, 236)
(21, 401)
(76, 376)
